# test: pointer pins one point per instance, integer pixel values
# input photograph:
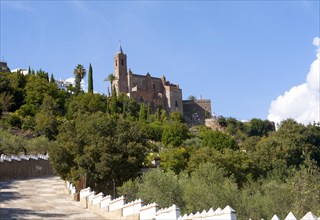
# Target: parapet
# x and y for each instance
(290, 216)
(23, 166)
(107, 208)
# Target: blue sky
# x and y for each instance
(240, 54)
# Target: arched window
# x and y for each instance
(122, 63)
(116, 62)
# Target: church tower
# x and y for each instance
(120, 72)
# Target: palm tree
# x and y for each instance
(110, 78)
(79, 73)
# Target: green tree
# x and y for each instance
(52, 80)
(129, 189)
(154, 131)
(235, 163)
(113, 102)
(174, 159)
(42, 74)
(142, 112)
(174, 133)
(293, 143)
(12, 144)
(6, 100)
(79, 73)
(259, 127)
(257, 199)
(306, 188)
(110, 78)
(208, 187)
(192, 98)
(46, 121)
(176, 116)
(39, 144)
(14, 85)
(216, 139)
(86, 103)
(162, 188)
(102, 147)
(37, 88)
(128, 106)
(90, 80)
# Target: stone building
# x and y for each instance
(158, 92)
(196, 111)
(4, 67)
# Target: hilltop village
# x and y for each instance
(144, 143)
(153, 91)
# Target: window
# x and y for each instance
(154, 86)
(122, 63)
(116, 62)
(176, 103)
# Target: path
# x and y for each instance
(39, 198)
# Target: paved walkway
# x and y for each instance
(39, 198)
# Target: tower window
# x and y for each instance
(122, 63)
(176, 103)
(116, 62)
(154, 86)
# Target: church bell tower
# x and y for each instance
(120, 72)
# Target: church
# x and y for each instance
(157, 92)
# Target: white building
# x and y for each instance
(21, 70)
(63, 84)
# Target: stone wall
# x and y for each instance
(196, 111)
(213, 124)
(117, 208)
(174, 98)
(24, 166)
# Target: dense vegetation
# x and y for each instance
(249, 166)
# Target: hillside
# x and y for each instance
(108, 140)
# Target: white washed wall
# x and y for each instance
(97, 198)
(173, 212)
(132, 207)
(116, 204)
(111, 209)
(149, 211)
(105, 201)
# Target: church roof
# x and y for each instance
(120, 50)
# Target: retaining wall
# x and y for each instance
(24, 166)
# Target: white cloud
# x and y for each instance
(302, 102)
(316, 42)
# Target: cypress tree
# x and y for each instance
(52, 80)
(90, 80)
(148, 112)
(142, 112)
(29, 71)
